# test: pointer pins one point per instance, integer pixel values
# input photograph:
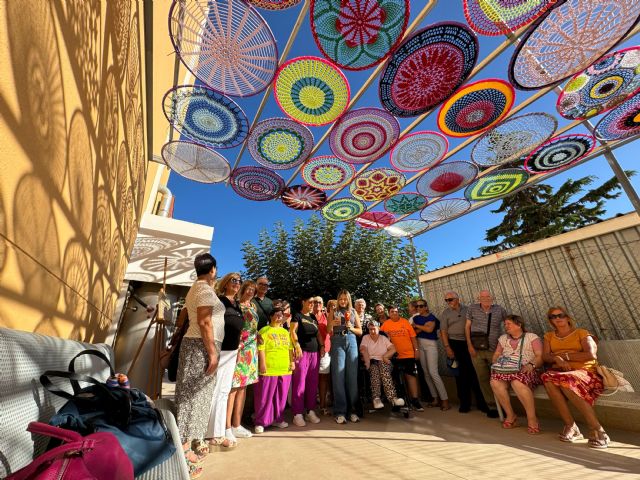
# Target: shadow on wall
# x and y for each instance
(65, 241)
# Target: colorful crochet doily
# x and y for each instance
(500, 17)
(419, 151)
(476, 107)
(274, 4)
(195, 162)
(205, 116)
(280, 143)
(311, 90)
(407, 228)
(405, 203)
(256, 183)
(377, 184)
(343, 209)
(568, 38)
(226, 44)
(327, 172)
(497, 184)
(364, 135)
(446, 178)
(358, 34)
(559, 152)
(427, 68)
(375, 220)
(513, 139)
(602, 86)
(621, 122)
(445, 209)
(303, 197)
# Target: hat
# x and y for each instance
(452, 365)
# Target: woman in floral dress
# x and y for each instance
(246, 372)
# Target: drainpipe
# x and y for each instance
(164, 207)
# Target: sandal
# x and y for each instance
(200, 448)
(533, 429)
(194, 463)
(510, 423)
(433, 404)
(598, 439)
(445, 406)
(223, 443)
(570, 433)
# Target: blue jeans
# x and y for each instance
(344, 373)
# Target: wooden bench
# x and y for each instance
(24, 357)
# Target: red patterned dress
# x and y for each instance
(246, 371)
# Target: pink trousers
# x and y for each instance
(270, 399)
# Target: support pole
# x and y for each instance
(415, 266)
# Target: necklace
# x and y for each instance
(565, 336)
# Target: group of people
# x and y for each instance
(237, 336)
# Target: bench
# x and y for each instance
(24, 357)
(623, 355)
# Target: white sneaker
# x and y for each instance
(340, 419)
(312, 417)
(241, 432)
(281, 424)
(377, 404)
(259, 429)
(229, 434)
(298, 421)
(398, 402)
(354, 418)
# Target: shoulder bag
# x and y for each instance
(508, 364)
(480, 340)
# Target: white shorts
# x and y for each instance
(325, 364)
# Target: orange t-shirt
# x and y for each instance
(400, 332)
(570, 344)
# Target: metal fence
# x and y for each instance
(597, 279)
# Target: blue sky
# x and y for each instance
(236, 219)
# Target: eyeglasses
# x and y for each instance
(262, 284)
(449, 299)
(237, 281)
(316, 301)
(553, 316)
(421, 305)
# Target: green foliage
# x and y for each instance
(314, 259)
(538, 212)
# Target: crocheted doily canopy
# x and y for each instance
(559, 152)
(364, 135)
(419, 151)
(327, 172)
(358, 34)
(513, 138)
(311, 90)
(377, 184)
(256, 183)
(497, 184)
(375, 220)
(476, 107)
(303, 197)
(405, 203)
(500, 17)
(343, 209)
(205, 116)
(445, 209)
(274, 4)
(568, 38)
(280, 143)
(195, 162)
(446, 178)
(226, 44)
(407, 228)
(427, 68)
(621, 122)
(602, 86)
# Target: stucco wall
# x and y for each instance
(73, 160)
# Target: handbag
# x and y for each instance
(613, 380)
(125, 412)
(480, 340)
(98, 456)
(170, 356)
(508, 364)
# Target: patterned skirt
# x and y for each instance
(530, 379)
(584, 383)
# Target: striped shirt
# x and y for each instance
(478, 318)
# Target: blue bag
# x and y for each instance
(124, 412)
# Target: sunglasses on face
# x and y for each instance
(316, 301)
(449, 300)
(263, 284)
(237, 281)
(421, 305)
(553, 316)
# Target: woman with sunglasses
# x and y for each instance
(227, 290)
(572, 353)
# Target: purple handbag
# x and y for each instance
(97, 456)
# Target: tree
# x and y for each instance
(538, 212)
(315, 260)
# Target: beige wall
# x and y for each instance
(73, 160)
